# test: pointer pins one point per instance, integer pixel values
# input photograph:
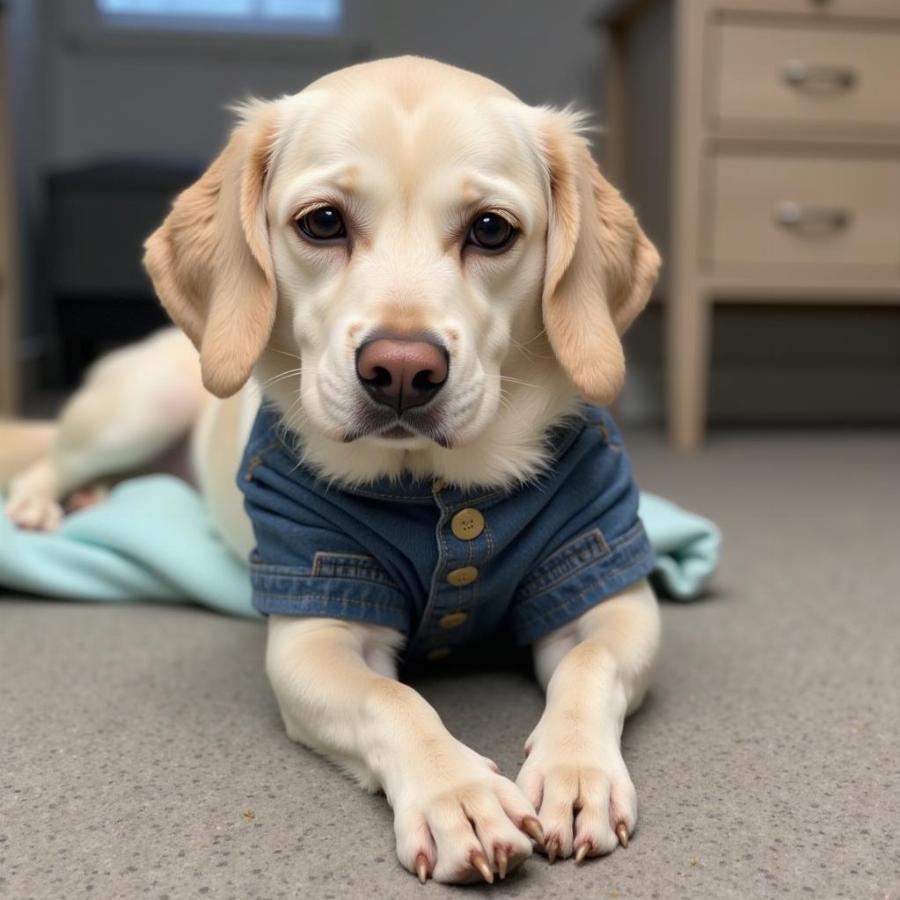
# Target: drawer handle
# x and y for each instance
(819, 78)
(811, 219)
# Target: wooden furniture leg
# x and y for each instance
(688, 334)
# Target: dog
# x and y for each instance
(397, 290)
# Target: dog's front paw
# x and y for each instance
(32, 503)
(457, 820)
(581, 787)
(34, 512)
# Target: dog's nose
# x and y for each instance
(401, 373)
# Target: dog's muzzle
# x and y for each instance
(401, 373)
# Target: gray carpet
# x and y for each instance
(141, 754)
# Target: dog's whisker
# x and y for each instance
(530, 340)
(523, 345)
(282, 376)
(287, 417)
(285, 352)
(525, 351)
(507, 403)
(511, 380)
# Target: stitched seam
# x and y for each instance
(322, 555)
(270, 569)
(542, 614)
(348, 565)
(595, 546)
(424, 498)
(540, 617)
(543, 611)
(263, 574)
(331, 599)
(432, 603)
(314, 605)
(368, 580)
(471, 501)
(388, 585)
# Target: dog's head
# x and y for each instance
(410, 259)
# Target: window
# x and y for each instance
(318, 16)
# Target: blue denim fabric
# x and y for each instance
(381, 552)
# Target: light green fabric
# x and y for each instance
(152, 540)
(687, 547)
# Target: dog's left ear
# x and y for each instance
(600, 267)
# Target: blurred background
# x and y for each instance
(756, 140)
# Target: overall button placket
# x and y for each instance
(464, 546)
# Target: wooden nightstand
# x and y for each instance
(760, 142)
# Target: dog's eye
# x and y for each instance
(323, 224)
(490, 231)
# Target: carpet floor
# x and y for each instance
(141, 752)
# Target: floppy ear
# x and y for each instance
(210, 261)
(600, 267)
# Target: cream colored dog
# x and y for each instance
(408, 197)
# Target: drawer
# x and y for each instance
(813, 214)
(806, 76)
(858, 9)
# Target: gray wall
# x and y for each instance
(142, 98)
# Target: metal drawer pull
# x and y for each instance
(811, 219)
(833, 79)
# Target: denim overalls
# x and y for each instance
(442, 565)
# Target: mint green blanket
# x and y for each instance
(152, 540)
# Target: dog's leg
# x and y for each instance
(455, 817)
(21, 443)
(595, 671)
(133, 405)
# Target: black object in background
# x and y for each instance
(99, 217)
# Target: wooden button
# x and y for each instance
(467, 524)
(462, 577)
(439, 653)
(453, 620)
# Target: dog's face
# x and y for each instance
(408, 246)
(399, 249)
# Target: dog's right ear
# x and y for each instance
(210, 260)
